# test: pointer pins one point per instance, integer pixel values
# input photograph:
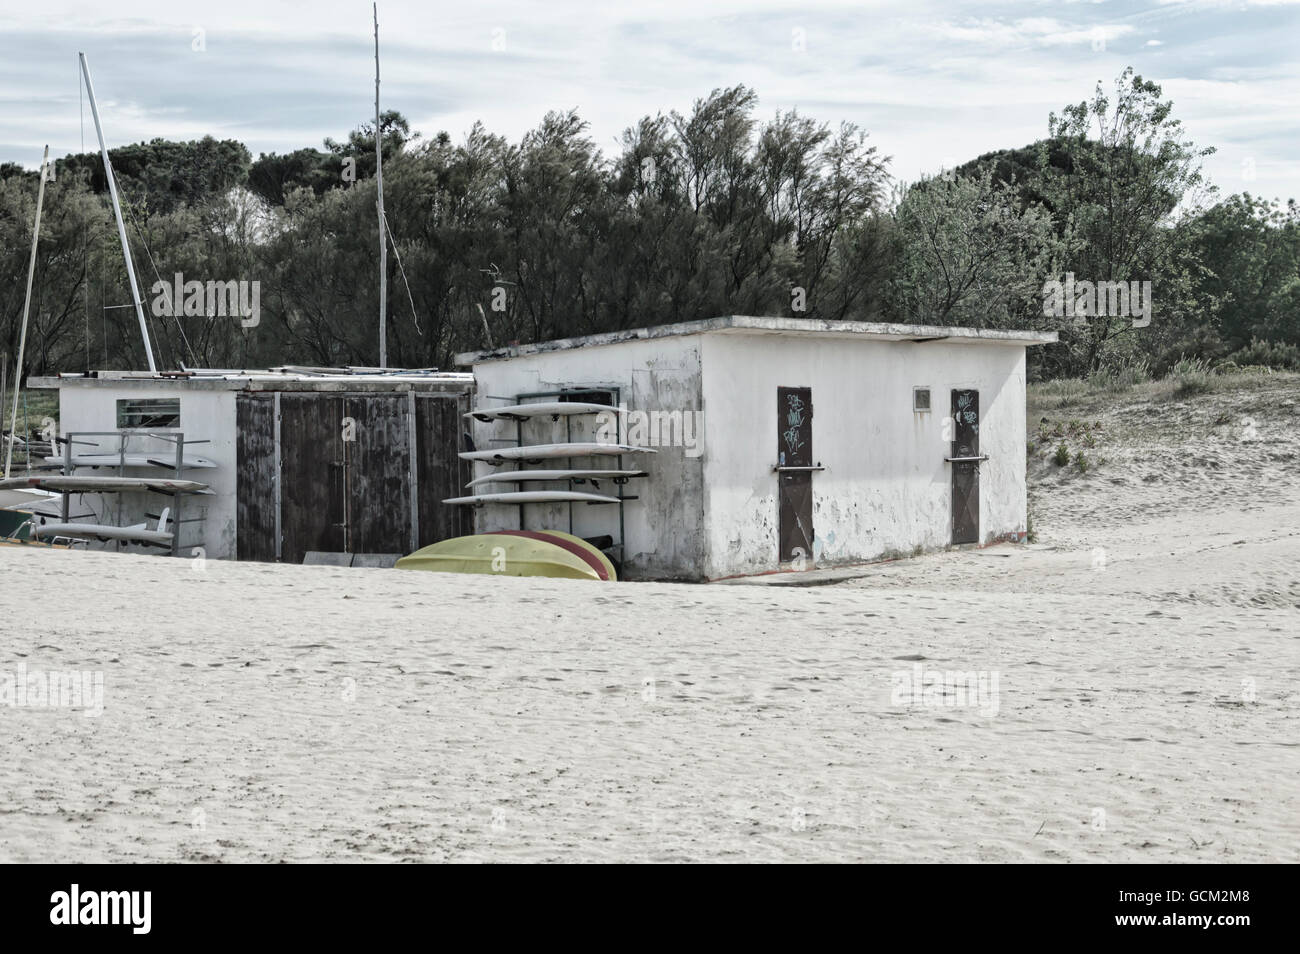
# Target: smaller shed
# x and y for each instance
(780, 443)
(302, 459)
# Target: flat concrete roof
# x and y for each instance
(273, 379)
(750, 325)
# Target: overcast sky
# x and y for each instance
(934, 83)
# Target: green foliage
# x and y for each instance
(1120, 176)
(1251, 251)
(969, 254)
(1062, 455)
(1266, 354)
(162, 176)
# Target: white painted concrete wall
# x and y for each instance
(664, 528)
(886, 489)
(205, 415)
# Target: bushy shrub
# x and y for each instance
(1123, 376)
(1062, 456)
(1269, 354)
(1191, 376)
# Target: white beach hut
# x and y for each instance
(778, 443)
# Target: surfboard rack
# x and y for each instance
(177, 488)
(551, 407)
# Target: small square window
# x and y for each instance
(920, 399)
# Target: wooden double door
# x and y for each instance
(347, 473)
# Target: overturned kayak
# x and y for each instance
(492, 554)
(593, 556)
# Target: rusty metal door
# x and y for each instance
(794, 413)
(965, 466)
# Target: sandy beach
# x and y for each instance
(1137, 668)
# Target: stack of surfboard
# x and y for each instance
(538, 453)
(549, 553)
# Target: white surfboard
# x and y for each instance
(533, 496)
(554, 451)
(163, 459)
(526, 476)
(104, 485)
(94, 531)
(520, 412)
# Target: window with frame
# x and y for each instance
(920, 399)
(137, 413)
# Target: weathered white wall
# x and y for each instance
(886, 489)
(664, 528)
(205, 415)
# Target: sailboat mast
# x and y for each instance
(117, 210)
(27, 304)
(383, 226)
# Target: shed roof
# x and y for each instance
(748, 324)
(288, 378)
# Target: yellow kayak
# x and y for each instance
(492, 554)
(592, 552)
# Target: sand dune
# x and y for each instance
(1146, 649)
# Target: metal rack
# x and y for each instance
(615, 396)
(177, 468)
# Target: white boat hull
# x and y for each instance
(93, 531)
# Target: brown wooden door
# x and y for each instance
(346, 473)
(440, 473)
(377, 473)
(965, 474)
(794, 413)
(313, 511)
(255, 468)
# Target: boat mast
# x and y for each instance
(27, 304)
(383, 226)
(117, 210)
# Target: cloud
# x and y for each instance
(928, 80)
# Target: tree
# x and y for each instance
(1124, 183)
(1251, 250)
(969, 255)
